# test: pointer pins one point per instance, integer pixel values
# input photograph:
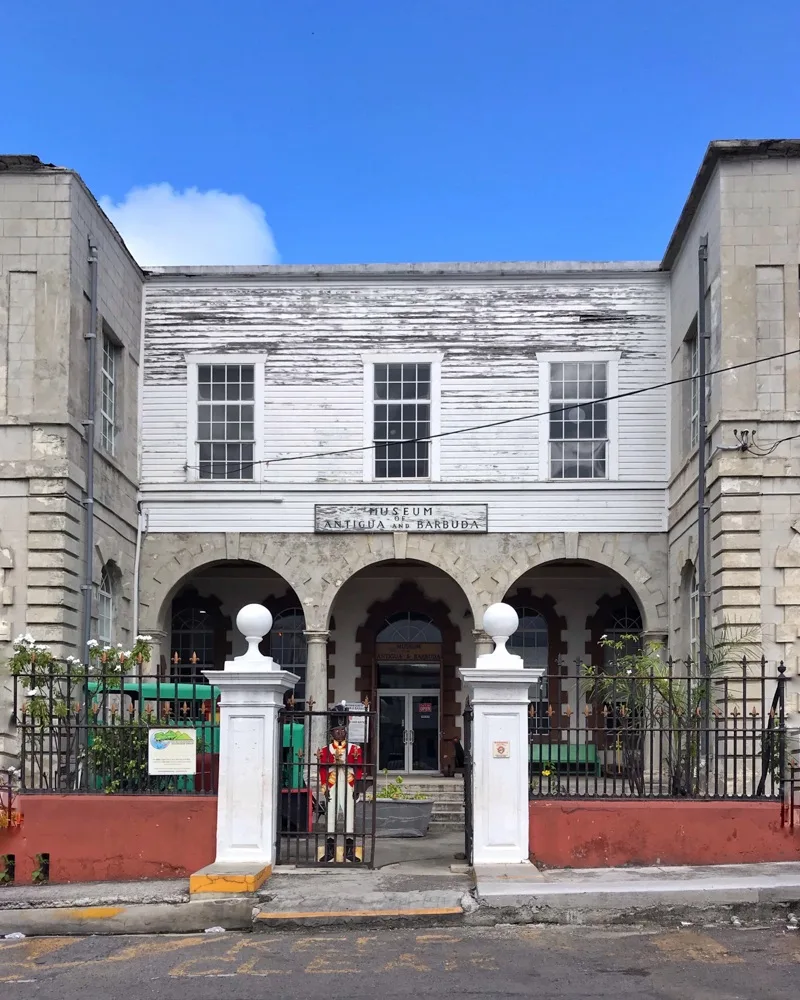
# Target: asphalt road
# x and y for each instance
(546, 963)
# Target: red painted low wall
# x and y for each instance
(607, 834)
(93, 838)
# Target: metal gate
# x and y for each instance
(468, 713)
(326, 792)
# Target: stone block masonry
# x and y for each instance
(46, 218)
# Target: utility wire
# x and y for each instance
(505, 421)
(764, 452)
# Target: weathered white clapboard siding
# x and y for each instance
(510, 510)
(313, 333)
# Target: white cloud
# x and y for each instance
(163, 227)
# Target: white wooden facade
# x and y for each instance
(315, 333)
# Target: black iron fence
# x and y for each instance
(791, 798)
(327, 794)
(84, 730)
(667, 733)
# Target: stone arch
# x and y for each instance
(448, 556)
(618, 553)
(169, 561)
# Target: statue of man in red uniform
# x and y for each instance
(340, 767)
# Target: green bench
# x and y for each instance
(562, 756)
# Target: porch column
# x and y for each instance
(498, 686)
(252, 687)
(654, 637)
(483, 642)
(159, 646)
(317, 686)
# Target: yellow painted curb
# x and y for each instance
(95, 912)
(431, 911)
(219, 882)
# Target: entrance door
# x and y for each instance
(408, 731)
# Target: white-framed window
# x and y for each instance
(579, 426)
(108, 394)
(402, 402)
(105, 607)
(225, 417)
(693, 370)
(694, 617)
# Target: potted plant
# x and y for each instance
(400, 813)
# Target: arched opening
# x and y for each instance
(199, 619)
(404, 624)
(408, 672)
(566, 609)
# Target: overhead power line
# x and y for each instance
(506, 420)
(759, 451)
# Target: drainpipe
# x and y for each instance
(702, 509)
(88, 538)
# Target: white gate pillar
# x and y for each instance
(498, 687)
(252, 687)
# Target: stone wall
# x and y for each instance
(754, 495)
(47, 216)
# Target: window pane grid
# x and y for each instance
(226, 421)
(578, 426)
(289, 648)
(108, 401)
(402, 413)
(694, 392)
(105, 609)
(694, 617)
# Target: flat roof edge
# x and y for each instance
(498, 269)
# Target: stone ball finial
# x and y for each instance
(254, 621)
(500, 621)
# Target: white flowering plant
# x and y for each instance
(109, 660)
(45, 676)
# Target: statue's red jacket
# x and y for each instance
(327, 763)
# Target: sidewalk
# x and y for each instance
(628, 895)
(413, 884)
(421, 892)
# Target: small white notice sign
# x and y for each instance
(171, 751)
(501, 748)
(357, 724)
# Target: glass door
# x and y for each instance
(424, 732)
(408, 731)
(392, 744)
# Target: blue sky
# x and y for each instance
(376, 131)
